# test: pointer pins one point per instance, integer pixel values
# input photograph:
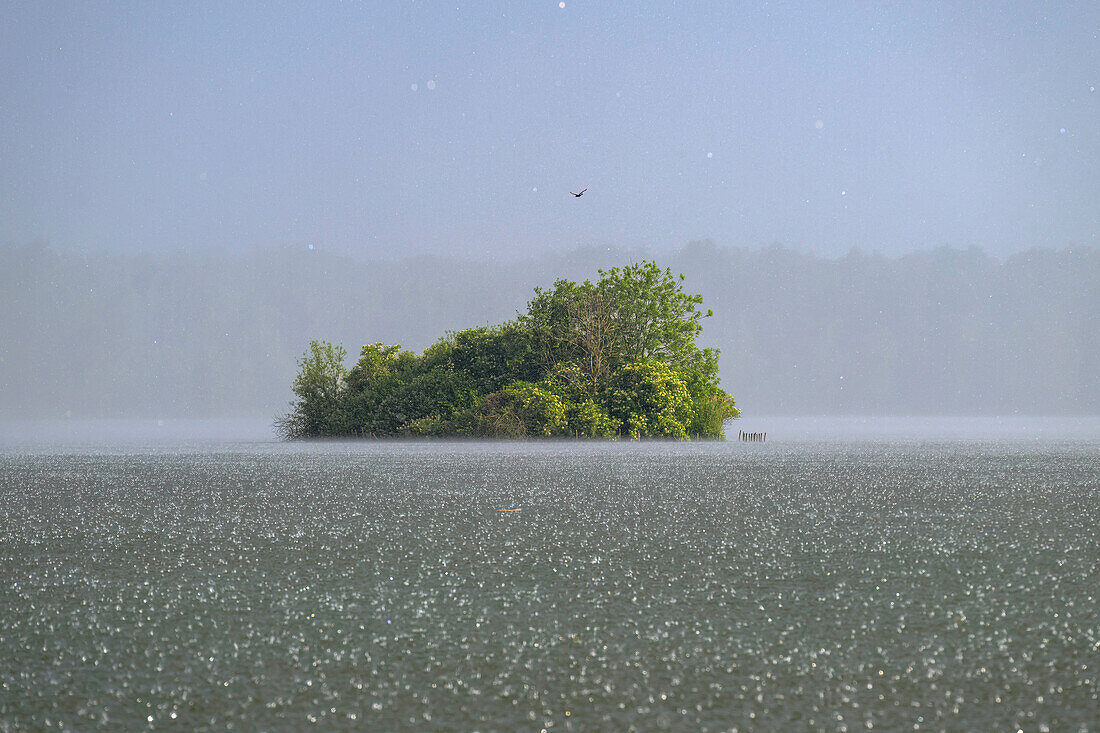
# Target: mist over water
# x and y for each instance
(919, 429)
(128, 436)
(217, 333)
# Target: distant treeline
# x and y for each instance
(216, 333)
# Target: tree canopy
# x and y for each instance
(612, 358)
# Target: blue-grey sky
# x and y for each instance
(461, 126)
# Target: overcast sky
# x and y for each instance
(397, 127)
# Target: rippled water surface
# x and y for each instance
(558, 586)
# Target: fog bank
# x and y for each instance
(216, 333)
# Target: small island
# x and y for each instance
(609, 359)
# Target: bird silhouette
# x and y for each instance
(578, 195)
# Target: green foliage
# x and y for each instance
(589, 420)
(712, 408)
(492, 357)
(375, 380)
(539, 411)
(320, 389)
(652, 400)
(601, 359)
(392, 392)
(377, 363)
(519, 410)
(631, 314)
(435, 393)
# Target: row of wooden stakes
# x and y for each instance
(756, 437)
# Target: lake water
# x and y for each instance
(942, 578)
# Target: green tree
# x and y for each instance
(431, 397)
(519, 410)
(493, 357)
(542, 412)
(373, 382)
(656, 319)
(589, 420)
(377, 364)
(320, 389)
(712, 407)
(632, 314)
(651, 399)
(393, 392)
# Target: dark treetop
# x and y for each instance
(605, 359)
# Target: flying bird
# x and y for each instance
(578, 195)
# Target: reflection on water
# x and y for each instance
(893, 584)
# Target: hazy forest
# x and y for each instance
(209, 333)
